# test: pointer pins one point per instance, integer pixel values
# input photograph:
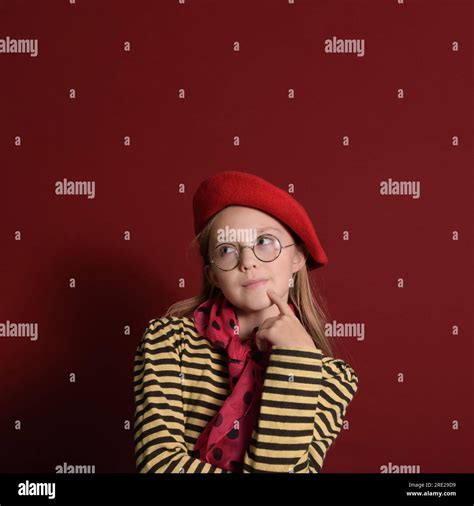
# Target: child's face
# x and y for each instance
(278, 273)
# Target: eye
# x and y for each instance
(225, 250)
(265, 240)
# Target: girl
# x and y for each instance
(241, 378)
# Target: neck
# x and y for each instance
(249, 320)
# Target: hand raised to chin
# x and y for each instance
(284, 329)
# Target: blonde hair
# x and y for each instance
(310, 308)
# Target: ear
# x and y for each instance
(300, 257)
(211, 276)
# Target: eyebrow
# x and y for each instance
(268, 228)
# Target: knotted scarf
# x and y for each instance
(225, 439)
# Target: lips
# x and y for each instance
(253, 283)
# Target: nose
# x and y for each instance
(247, 258)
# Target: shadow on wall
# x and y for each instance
(80, 332)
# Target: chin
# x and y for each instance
(254, 303)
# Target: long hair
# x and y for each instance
(310, 307)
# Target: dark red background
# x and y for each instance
(286, 141)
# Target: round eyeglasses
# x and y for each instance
(267, 248)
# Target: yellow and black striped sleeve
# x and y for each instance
(301, 412)
(159, 425)
(338, 389)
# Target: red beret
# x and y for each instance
(229, 188)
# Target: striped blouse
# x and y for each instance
(181, 381)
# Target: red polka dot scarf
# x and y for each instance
(225, 439)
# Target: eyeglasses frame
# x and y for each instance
(211, 260)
